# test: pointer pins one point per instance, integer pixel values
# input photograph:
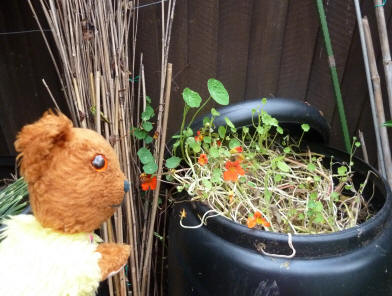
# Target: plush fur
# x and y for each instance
(67, 194)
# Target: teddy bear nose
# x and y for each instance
(126, 186)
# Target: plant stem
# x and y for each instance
(197, 111)
(334, 74)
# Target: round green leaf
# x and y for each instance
(145, 155)
(148, 140)
(139, 134)
(147, 113)
(173, 162)
(191, 98)
(305, 127)
(234, 143)
(214, 112)
(218, 91)
(150, 168)
(222, 132)
(283, 166)
(229, 123)
(147, 126)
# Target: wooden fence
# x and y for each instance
(257, 48)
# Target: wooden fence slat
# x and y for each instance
(299, 44)
(24, 61)
(233, 42)
(265, 47)
(202, 45)
(179, 56)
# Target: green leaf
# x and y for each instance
(335, 196)
(207, 139)
(214, 112)
(188, 132)
(207, 184)
(388, 123)
(173, 162)
(264, 101)
(267, 195)
(319, 219)
(317, 178)
(222, 132)
(260, 130)
(196, 147)
(148, 140)
(229, 123)
(287, 150)
(283, 166)
(305, 127)
(234, 143)
(176, 144)
(218, 91)
(145, 155)
(214, 152)
(277, 178)
(224, 152)
(148, 113)
(147, 126)
(311, 167)
(245, 130)
(357, 144)
(191, 98)
(342, 170)
(251, 184)
(313, 196)
(206, 120)
(148, 100)
(279, 130)
(150, 168)
(216, 175)
(139, 134)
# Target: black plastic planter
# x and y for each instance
(221, 258)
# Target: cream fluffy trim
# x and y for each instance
(37, 261)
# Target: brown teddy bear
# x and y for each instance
(75, 184)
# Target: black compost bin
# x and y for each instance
(221, 258)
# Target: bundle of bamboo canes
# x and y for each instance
(94, 54)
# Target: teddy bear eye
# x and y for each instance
(100, 162)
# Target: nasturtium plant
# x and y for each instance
(258, 176)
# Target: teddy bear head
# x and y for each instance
(73, 174)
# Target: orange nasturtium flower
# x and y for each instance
(203, 159)
(199, 137)
(233, 170)
(257, 219)
(218, 143)
(251, 222)
(238, 149)
(182, 214)
(148, 182)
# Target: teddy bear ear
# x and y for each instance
(36, 141)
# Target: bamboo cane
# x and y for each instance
(386, 53)
(147, 261)
(378, 100)
(381, 165)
